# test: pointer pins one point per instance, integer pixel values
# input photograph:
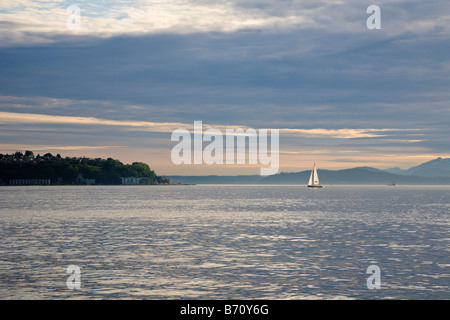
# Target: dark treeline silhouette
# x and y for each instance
(66, 170)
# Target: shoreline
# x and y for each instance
(232, 185)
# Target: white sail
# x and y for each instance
(316, 177)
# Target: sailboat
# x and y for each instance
(314, 179)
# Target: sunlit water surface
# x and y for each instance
(224, 242)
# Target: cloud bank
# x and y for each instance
(135, 70)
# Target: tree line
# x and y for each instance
(66, 170)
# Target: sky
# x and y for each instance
(119, 83)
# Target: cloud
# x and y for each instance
(31, 22)
(44, 21)
(136, 70)
(147, 126)
(9, 147)
(29, 118)
(338, 133)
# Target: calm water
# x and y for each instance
(224, 242)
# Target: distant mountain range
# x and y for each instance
(435, 168)
(434, 172)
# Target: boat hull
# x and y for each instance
(315, 186)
